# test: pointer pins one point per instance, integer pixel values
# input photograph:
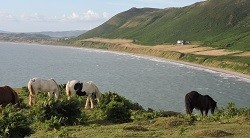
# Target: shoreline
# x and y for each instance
(194, 65)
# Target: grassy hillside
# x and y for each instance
(224, 23)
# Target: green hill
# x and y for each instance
(224, 24)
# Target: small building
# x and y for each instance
(182, 42)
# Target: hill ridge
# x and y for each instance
(224, 24)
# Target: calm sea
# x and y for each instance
(152, 82)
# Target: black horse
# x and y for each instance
(201, 102)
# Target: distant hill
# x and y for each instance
(1, 31)
(24, 37)
(60, 34)
(38, 37)
(223, 23)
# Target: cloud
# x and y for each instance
(72, 17)
(86, 16)
(32, 17)
(6, 16)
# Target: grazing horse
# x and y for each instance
(201, 102)
(81, 89)
(36, 85)
(8, 95)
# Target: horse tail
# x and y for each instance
(32, 93)
(188, 104)
(15, 98)
(30, 87)
(68, 92)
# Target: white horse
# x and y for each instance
(36, 85)
(87, 88)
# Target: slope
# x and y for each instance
(224, 24)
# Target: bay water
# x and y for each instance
(152, 82)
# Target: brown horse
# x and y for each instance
(201, 102)
(8, 95)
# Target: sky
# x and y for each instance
(66, 15)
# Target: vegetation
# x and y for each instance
(222, 24)
(115, 116)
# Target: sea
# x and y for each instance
(152, 82)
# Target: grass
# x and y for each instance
(221, 24)
(159, 127)
(226, 122)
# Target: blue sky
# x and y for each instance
(64, 15)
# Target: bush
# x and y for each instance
(57, 113)
(117, 109)
(220, 114)
(117, 113)
(229, 112)
(145, 115)
(13, 123)
(109, 97)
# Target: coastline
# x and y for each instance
(126, 47)
(218, 70)
(195, 65)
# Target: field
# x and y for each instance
(115, 116)
(193, 49)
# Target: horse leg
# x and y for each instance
(91, 102)
(30, 100)
(56, 96)
(201, 112)
(206, 112)
(49, 94)
(189, 110)
(87, 103)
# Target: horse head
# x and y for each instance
(213, 106)
(78, 88)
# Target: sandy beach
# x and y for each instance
(194, 49)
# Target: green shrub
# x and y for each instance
(145, 115)
(109, 97)
(14, 123)
(229, 112)
(220, 114)
(57, 113)
(118, 113)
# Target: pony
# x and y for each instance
(36, 85)
(201, 102)
(8, 95)
(88, 89)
